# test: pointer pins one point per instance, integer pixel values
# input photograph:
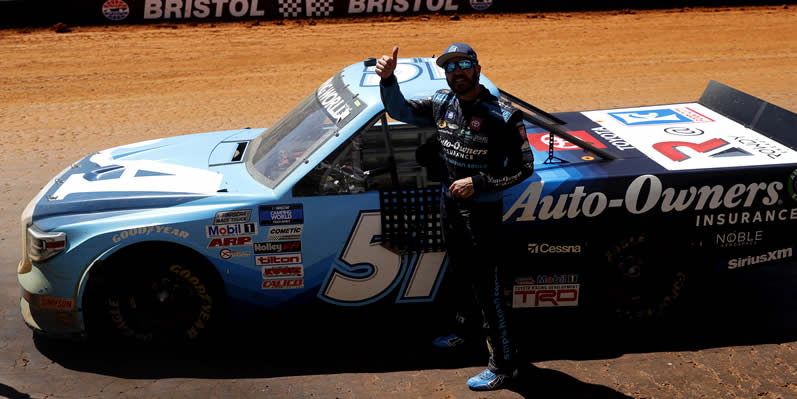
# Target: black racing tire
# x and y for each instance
(645, 281)
(155, 294)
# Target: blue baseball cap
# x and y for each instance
(456, 50)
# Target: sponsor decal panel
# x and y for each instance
(612, 138)
(770, 256)
(285, 232)
(645, 194)
(231, 230)
(230, 217)
(51, 302)
(228, 253)
(273, 272)
(274, 247)
(658, 116)
(548, 248)
(480, 5)
(548, 279)
(230, 242)
(280, 259)
(731, 239)
(115, 10)
(691, 136)
(145, 231)
(541, 141)
(545, 296)
(289, 283)
(281, 214)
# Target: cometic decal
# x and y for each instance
(285, 232)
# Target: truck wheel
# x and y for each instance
(163, 296)
(645, 280)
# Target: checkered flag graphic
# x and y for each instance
(317, 8)
(290, 8)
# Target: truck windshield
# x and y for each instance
(283, 147)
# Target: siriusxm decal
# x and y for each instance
(281, 214)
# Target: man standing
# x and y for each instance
(483, 150)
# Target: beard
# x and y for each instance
(460, 84)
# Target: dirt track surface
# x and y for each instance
(65, 95)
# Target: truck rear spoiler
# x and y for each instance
(777, 123)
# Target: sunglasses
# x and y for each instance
(462, 64)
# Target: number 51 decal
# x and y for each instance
(371, 271)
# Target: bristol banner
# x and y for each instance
(109, 12)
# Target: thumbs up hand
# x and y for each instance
(386, 65)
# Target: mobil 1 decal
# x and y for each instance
(281, 214)
(744, 198)
(365, 271)
(691, 136)
(338, 102)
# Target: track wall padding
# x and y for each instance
(112, 12)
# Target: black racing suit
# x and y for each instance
(484, 140)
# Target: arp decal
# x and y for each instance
(230, 242)
(370, 271)
(281, 214)
(541, 141)
(543, 296)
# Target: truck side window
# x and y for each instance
(363, 164)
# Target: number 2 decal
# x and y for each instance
(372, 271)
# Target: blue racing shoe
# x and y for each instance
(448, 341)
(488, 381)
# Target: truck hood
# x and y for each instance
(149, 174)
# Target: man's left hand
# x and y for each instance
(462, 188)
